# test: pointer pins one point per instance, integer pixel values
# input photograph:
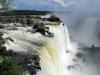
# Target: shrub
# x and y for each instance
(53, 19)
(9, 67)
(29, 21)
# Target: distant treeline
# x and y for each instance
(24, 12)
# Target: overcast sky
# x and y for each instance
(68, 5)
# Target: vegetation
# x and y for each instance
(13, 63)
(1, 39)
(37, 17)
(41, 28)
(5, 4)
(29, 21)
(54, 19)
(9, 67)
(23, 12)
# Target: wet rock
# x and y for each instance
(10, 39)
(75, 60)
(67, 51)
(70, 67)
(79, 55)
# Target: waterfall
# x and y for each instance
(54, 57)
(55, 53)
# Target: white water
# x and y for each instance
(58, 47)
(54, 59)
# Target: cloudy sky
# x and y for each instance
(59, 5)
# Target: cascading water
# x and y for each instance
(55, 60)
(56, 53)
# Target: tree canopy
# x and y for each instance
(5, 5)
(9, 67)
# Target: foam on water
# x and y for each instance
(54, 59)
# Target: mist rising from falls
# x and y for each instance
(57, 54)
(83, 28)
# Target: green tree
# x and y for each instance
(53, 18)
(9, 67)
(29, 21)
(5, 5)
(1, 39)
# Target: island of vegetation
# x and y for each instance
(18, 63)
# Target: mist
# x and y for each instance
(83, 28)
